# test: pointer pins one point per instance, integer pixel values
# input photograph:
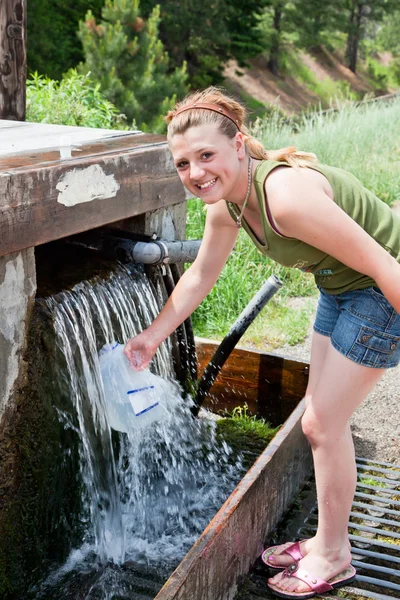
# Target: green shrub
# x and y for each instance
(53, 46)
(378, 73)
(74, 100)
(394, 70)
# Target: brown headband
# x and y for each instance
(214, 107)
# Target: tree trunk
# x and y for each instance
(353, 38)
(274, 52)
(316, 28)
(13, 59)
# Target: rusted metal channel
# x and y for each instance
(229, 547)
(234, 538)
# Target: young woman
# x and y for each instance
(319, 219)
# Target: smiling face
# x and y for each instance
(211, 165)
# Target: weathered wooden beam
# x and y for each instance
(13, 59)
(44, 198)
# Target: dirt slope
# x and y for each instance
(289, 93)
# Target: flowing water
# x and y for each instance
(147, 495)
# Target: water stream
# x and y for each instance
(146, 496)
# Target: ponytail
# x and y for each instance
(290, 155)
(179, 121)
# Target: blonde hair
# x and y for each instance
(178, 124)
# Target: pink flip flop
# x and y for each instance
(293, 551)
(317, 586)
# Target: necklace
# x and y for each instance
(249, 180)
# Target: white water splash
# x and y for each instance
(150, 503)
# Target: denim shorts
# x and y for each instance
(362, 325)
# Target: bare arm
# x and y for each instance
(220, 235)
(303, 210)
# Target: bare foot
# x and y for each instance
(317, 565)
(281, 559)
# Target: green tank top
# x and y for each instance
(371, 213)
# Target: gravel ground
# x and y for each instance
(376, 423)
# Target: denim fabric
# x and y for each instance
(362, 325)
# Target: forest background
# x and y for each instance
(136, 51)
(123, 64)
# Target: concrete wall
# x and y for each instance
(17, 292)
(18, 287)
(149, 199)
(168, 223)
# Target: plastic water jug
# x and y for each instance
(132, 397)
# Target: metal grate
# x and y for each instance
(374, 535)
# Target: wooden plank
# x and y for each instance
(235, 537)
(19, 138)
(52, 148)
(137, 178)
(12, 59)
(269, 384)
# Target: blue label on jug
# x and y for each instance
(148, 387)
(142, 399)
(147, 409)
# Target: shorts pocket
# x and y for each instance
(371, 305)
(376, 348)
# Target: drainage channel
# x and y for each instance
(374, 535)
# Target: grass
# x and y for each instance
(280, 323)
(247, 423)
(364, 140)
(245, 433)
(370, 481)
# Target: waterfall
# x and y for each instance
(146, 495)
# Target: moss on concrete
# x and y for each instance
(245, 434)
(40, 499)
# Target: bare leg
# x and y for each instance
(340, 387)
(320, 345)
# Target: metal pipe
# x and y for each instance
(256, 304)
(155, 252)
(152, 252)
(161, 251)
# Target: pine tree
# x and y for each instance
(125, 55)
(207, 34)
(195, 32)
(59, 49)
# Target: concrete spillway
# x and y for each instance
(55, 182)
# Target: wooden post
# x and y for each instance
(13, 59)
